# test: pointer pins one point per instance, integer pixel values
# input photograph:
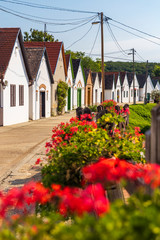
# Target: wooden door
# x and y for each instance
(89, 97)
(42, 104)
(79, 97)
(69, 98)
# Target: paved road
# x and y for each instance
(21, 142)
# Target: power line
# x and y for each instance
(72, 28)
(43, 22)
(115, 40)
(135, 29)
(135, 34)
(34, 5)
(77, 21)
(80, 38)
(94, 40)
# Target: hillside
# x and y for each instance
(140, 68)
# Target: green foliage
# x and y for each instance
(66, 161)
(155, 95)
(62, 89)
(140, 116)
(38, 36)
(93, 108)
(86, 61)
(156, 70)
(138, 219)
(140, 68)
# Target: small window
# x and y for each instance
(131, 93)
(124, 94)
(12, 95)
(21, 95)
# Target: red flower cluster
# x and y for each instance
(92, 199)
(115, 169)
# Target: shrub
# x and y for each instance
(62, 89)
(155, 95)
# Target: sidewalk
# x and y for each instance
(21, 145)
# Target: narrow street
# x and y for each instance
(21, 145)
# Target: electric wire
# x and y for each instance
(34, 5)
(135, 34)
(78, 21)
(44, 22)
(135, 29)
(140, 57)
(95, 40)
(80, 38)
(63, 31)
(115, 40)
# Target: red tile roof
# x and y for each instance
(8, 37)
(7, 40)
(53, 50)
(67, 56)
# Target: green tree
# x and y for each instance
(156, 70)
(38, 36)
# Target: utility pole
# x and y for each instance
(102, 57)
(134, 91)
(45, 30)
(145, 98)
(102, 53)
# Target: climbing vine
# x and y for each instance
(62, 89)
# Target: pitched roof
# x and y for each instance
(67, 56)
(154, 81)
(53, 51)
(8, 37)
(116, 74)
(122, 77)
(141, 80)
(93, 77)
(76, 63)
(34, 56)
(109, 80)
(100, 77)
(130, 77)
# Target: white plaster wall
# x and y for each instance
(137, 90)
(118, 87)
(79, 79)
(141, 94)
(125, 88)
(107, 94)
(42, 78)
(16, 74)
(99, 90)
(69, 77)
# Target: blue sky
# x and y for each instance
(140, 14)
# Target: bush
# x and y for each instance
(138, 219)
(140, 116)
(62, 89)
(155, 95)
(93, 108)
